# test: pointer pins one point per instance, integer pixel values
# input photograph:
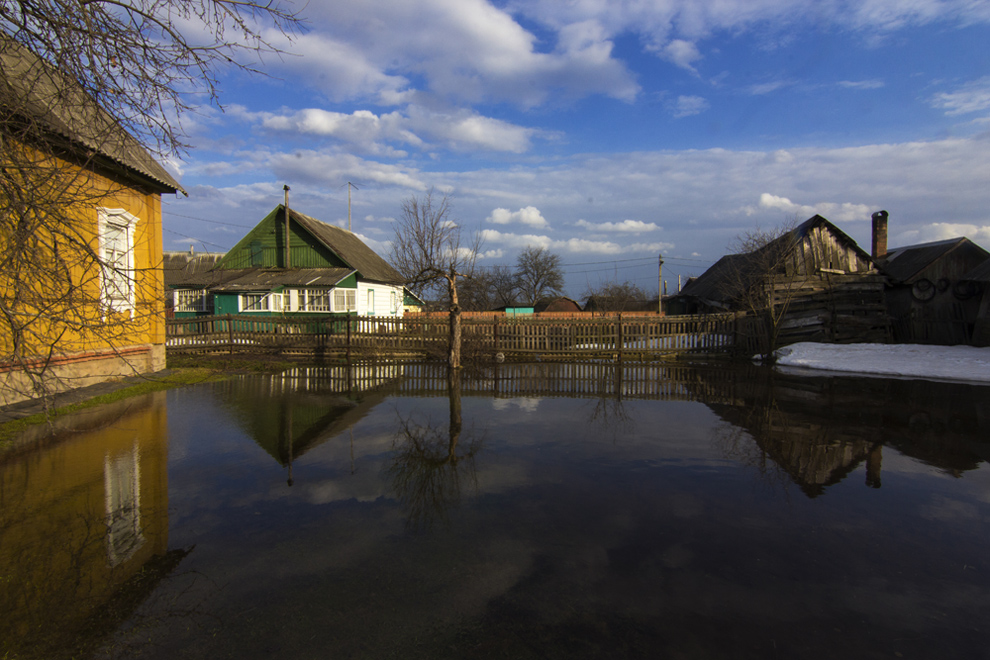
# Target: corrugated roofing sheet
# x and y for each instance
(350, 248)
(31, 88)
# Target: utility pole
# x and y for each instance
(660, 287)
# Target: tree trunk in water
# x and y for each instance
(454, 394)
(454, 357)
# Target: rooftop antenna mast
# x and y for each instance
(349, 186)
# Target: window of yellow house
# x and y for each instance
(116, 229)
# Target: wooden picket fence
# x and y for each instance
(516, 338)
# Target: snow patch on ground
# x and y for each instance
(946, 363)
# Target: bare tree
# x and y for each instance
(760, 279)
(539, 274)
(427, 251)
(612, 297)
(84, 84)
(490, 288)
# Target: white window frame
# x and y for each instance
(371, 303)
(393, 302)
(344, 300)
(117, 280)
(192, 300)
(315, 300)
(271, 302)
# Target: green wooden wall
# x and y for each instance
(264, 246)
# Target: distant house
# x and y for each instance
(561, 304)
(830, 288)
(516, 309)
(188, 280)
(320, 269)
(104, 317)
(932, 295)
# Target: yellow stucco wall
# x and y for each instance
(126, 341)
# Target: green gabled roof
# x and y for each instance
(348, 247)
(333, 244)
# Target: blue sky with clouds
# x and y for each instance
(608, 131)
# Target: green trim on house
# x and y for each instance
(264, 246)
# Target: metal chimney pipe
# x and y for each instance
(288, 254)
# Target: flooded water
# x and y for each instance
(541, 511)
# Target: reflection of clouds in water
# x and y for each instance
(525, 404)
(947, 509)
(363, 487)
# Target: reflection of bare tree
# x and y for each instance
(426, 470)
(609, 413)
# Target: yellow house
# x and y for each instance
(80, 237)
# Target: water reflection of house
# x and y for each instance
(820, 430)
(290, 413)
(84, 525)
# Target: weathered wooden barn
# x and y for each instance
(932, 297)
(819, 282)
(980, 277)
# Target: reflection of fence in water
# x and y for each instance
(582, 379)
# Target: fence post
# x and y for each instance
(618, 332)
(230, 333)
(495, 333)
(348, 338)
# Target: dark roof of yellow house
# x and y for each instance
(34, 90)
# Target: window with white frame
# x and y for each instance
(192, 300)
(261, 302)
(393, 303)
(344, 300)
(371, 302)
(116, 236)
(314, 300)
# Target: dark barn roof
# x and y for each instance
(905, 264)
(712, 286)
(33, 90)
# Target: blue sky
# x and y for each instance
(609, 131)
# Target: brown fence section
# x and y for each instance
(633, 337)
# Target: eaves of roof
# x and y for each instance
(33, 89)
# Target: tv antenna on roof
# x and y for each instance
(349, 186)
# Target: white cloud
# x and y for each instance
(529, 215)
(971, 97)
(570, 245)
(320, 167)
(940, 231)
(769, 87)
(459, 129)
(835, 212)
(468, 50)
(861, 84)
(682, 53)
(626, 226)
(685, 106)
